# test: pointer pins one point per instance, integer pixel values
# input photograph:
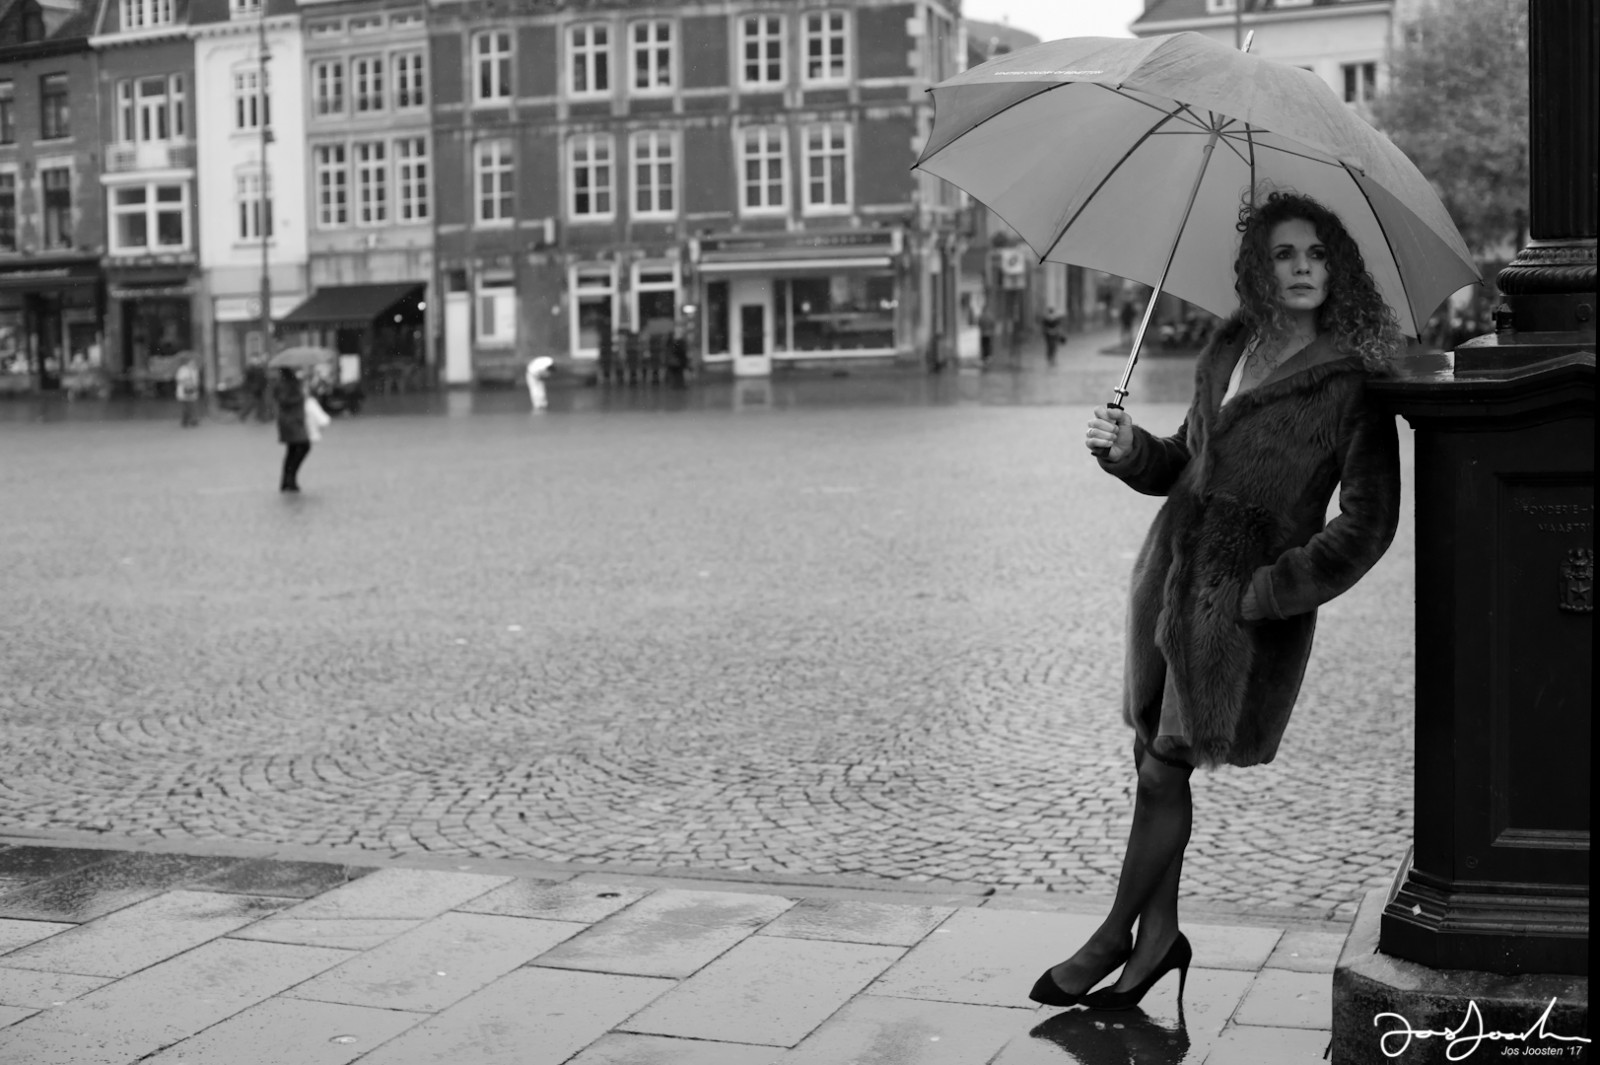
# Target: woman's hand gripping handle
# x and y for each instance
(1110, 434)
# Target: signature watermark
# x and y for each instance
(1464, 1039)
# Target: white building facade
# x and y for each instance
(252, 210)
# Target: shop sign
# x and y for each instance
(868, 239)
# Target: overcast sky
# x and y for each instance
(1049, 19)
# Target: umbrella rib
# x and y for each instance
(989, 118)
(1193, 119)
(1388, 246)
(1110, 173)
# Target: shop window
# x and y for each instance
(715, 318)
(372, 182)
(366, 83)
(333, 185)
(851, 311)
(652, 56)
(827, 168)
(491, 58)
(765, 165)
(8, 113)
(55, 110)
(655, 299)
(590, 176)
(56, 183)
(8, 210)
(327, 87)
(761, 51)
(410, 81)
(589, 58)
(497, 310)
(655, 156)
(493, 181)
(411, 175)
(594, 292)
(827, 43)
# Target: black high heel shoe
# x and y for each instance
(1178, 957)
(1047, 992)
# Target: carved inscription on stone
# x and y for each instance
(1564, 514)
(1577, 581)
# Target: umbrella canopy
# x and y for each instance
(1088, 146)
(299, 357)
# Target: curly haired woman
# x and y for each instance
(1226, 587)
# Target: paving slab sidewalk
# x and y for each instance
(116, 951)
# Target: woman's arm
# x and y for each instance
(1303, 578)
(1152, 464)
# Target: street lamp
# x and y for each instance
(263, 209)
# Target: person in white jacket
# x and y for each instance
(537, 368)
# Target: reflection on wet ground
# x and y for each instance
(1132, 1037)
(104, 886)
(1084, 376)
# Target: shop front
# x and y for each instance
(771, 299)
(49, 325)
(378, 330)
(150, 321)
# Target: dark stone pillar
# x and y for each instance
(1491, 905)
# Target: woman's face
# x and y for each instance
(1300, 265)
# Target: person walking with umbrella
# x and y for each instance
(1226, 587)
(293, 433)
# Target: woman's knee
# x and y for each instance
(1163, 782)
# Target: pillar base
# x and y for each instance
(1367, 984)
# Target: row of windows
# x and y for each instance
(55, 184)
(369, 84)
(55, 108)
(653, 155)
(650, 50)
(370, 182)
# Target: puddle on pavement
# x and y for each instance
(299, 880)
(98, 889)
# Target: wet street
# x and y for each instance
(863, 627)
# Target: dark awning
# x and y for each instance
(351, 303)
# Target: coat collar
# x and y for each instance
(1307, 368)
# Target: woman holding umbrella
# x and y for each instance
(1226, 586)
(292, 431)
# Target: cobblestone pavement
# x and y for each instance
(868, 626)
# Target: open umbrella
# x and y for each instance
(301, 357)
(1132, 156)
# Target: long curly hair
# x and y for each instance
(1353, 315)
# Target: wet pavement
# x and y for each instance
(255, 955)
(873, 641)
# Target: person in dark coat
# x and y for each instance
(1226, 587)
(1054, 326)
(292, 432)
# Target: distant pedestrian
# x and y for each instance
(1127, 321)
(985, 336)
(677, 359)
(186, 385)
(255, 391)
(538, 367)
(293, 433)
(1054, 326)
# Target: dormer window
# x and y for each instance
(244, 8)
(145, 14)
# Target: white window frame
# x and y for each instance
(9, 170)
(649, 151)
(640, 286)
(412, 200)
(325, 74)
(581, 285)
(489, 161)
(1362, 97)
(818, 29)
(252, 206)
(330, 169)
(369, 165)
(764, 33)
(502, 290)
(492, 51)
(772, 145)
(244, 8)
(367, 93)
(145, 14)
(838, 147)
(365, 24)
(252, 99)
(152, 208)
(409, 76)
(652, 57)
(590, 42)
(592, 157)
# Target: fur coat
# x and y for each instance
(1226, 586)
